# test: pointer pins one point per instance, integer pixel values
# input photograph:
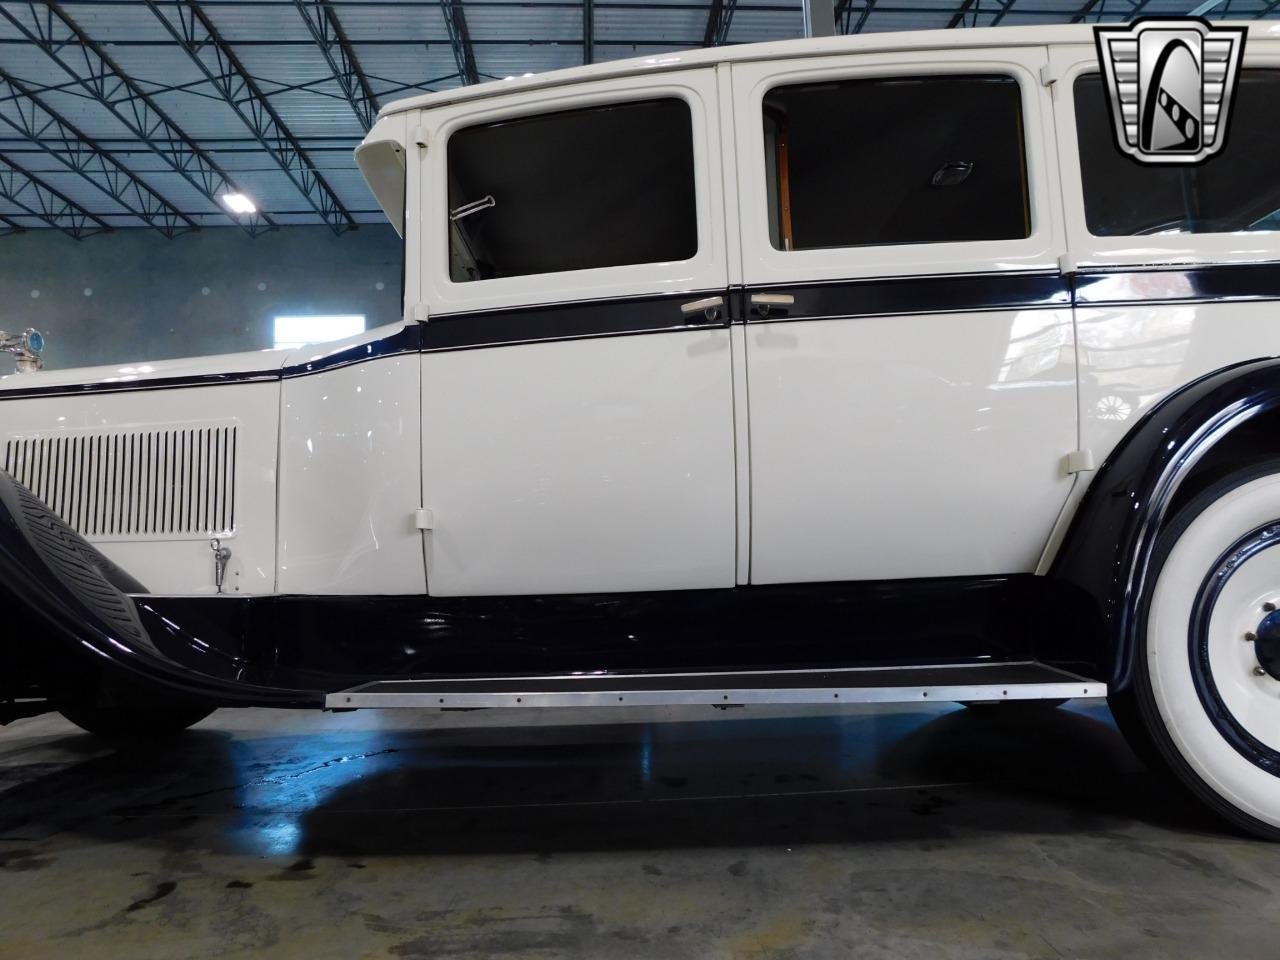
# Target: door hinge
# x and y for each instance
(1048, 76)
(1067, 264)
(1080, 461)
(423, 518)
(420, 136)
(418, 313)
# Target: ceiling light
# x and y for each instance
(239, 203)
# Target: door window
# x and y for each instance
(902, 160)
(578, 189)
(1236, 190)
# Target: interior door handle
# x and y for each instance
(709, 307)
(763, 304)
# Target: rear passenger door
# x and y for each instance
(909, 342)
(577, 396)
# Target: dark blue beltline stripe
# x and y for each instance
(841, 299)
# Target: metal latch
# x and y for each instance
(221, 555)
(763, 304)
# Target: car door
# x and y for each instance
(909, 343)
(1178, 266)
(577, 383)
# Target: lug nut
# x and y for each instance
(1250, 637)
(1269, 607)
(1259, 672)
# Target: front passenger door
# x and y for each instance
(577, 398)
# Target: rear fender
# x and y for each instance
(1108, 549)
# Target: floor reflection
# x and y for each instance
(367, 785)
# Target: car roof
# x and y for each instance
(914, 40)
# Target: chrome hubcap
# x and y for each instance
(1266, 645)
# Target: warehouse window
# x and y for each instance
(1236, 190)
(294, 332)
(598, 187)
(898, 160)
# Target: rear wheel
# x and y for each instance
(1206, 694)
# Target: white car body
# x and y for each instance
(759, 457)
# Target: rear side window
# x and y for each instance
(1236, 190)
(598, 187)
(903, 160)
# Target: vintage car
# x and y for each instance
(857, 369)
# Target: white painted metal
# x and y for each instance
(161, 563)
(916, 446)
(788, 451)
(945, 41)
(1253, 700)
(580, 467)
(349, 479)
(142, 374)
(382, 160)
(587, 466)
(166, 482)
(1081, 461)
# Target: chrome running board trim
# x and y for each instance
(989, 682)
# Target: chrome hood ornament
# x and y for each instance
(26, 348)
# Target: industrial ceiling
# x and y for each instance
(149, 113)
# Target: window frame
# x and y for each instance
(763, 263)
(1088, 250)
(706, 270)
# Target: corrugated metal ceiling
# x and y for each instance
(401, 46)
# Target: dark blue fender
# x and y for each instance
(64, 591)
(1108, 549)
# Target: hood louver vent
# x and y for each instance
(154, 484)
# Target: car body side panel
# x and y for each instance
(1134, 355)
(350, 480)
(594, 465)
(908, 446)
(95, 457)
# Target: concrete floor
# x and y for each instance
(867, 833)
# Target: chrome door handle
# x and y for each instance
(710, 307)
(762, 304)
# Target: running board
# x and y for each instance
(1024, 680)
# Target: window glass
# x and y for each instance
(598, 187)
(1236, 190)
(899, 160)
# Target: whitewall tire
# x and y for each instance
(1207, 685)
